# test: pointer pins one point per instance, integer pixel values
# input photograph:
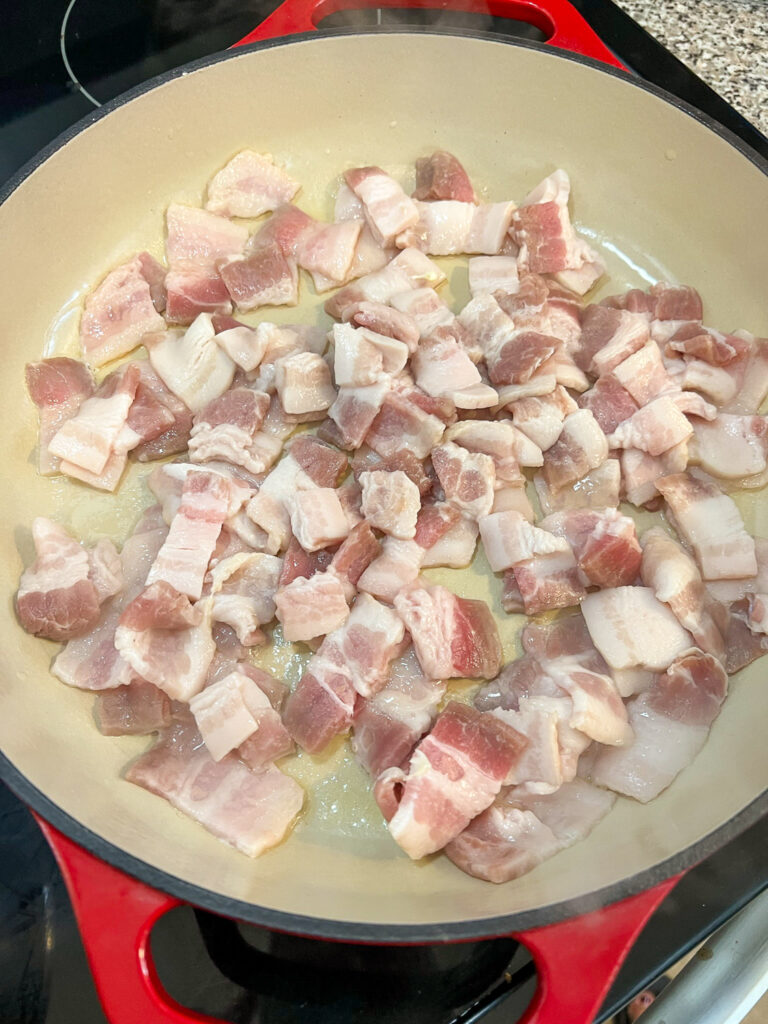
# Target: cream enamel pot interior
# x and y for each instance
(656, 189)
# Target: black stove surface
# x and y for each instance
(58, 60)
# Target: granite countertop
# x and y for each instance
(725, 42)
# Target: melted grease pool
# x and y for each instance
(339, 803)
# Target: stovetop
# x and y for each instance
(58, 60)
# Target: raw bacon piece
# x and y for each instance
(629, 626)
(598, 710)
(387, 726)
(409, 269)
(455, 548)
(265, 277)
(467, 478)
(541, 418)
(391, 502)
(312, 607)
(388, 209)
(362, 357)
(400, 423)
(397, 566)
(671, 723)
(549, 581)
(95, 432)
(365, 644)
(303, 382)
(640, 471)
(449, 227)
(672, 574)
(491, 274)
(175, 437)
(198, 239)
(249, 185)
(509, 539)
(57, 598)
(519, 831)
(522, 677)
(317, 518)
(192, 365)
(655, 428)
(243, 588)
(502, 442)
(183, 559)
(321, 706)
(426, 308)
(298, 563)
(384, 320)
(442, 367)
(604, 542)
(751, 378)
(566, 636)
(251, 811)
(453, 637)
(58, 387)
(596, 489)
(609, 402)
(580, 448)
(355, 410)
(233, 710)
(354, 555)
(711, 524)
(192, 292)
(454, 773)
(731, 446)
(610, 334)
(133, 710)
(117, 314)
(175, 658)
(542, 229)
(441, 176)
(713, 347)
(226, 428)
(539, 768)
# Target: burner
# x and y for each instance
(109, 46)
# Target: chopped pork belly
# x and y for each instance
(58, 387)
(713, 347)
(245, 346)
(490, 274)
(711, 524)
(173, 656)
(454, 774)
(365, 460)
(354, 555)
(183, 559)
(608, 336)
(355, 409)
(227, 427)
(509, 539)
(249, 185)
(192, 365)
(425, 307)
(251, 811)
(671, 722)
(566, 636)
(629, 626)
(753, 381)
(581, 446)
(661, 301)
(655, 428)
(117, 314)
(297, 563)
(192, 292)
(455, 548)
(172, 439)
(597, 489)
(388, 725)
(539, 767)
(517, 832)
(643, 374)
(400, 423)
(609, 402)
(133, 710)
(513, 498)
(442, 367)
(727, 591)
(396, 566)
(441, 176)
(453, 637)
(243, 588)
(384, 320)
(640, 471)
(231, 710)
(674, 578)
(317, 518)
(312, 607)
(409, 269)
(731, 446)
(265, 277)
(391, 502)
(467, 478)
(303, 382)
(541, 418)
(548, 581)
(548, 244)
(92, 435)
(604, 542)
(449, 227)
(362, 357)
(598, 710)
(388, 209)
(58, 597)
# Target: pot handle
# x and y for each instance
(116, 914)
(559, 20)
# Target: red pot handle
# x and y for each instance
(116, 914)
(559, 20)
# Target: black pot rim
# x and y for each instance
(350, 930)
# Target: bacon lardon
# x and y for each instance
(227, 427)
(580, 447)
(454, 773)
(388, 210)
(600, 488)
(58, 387)
(467, 478)
(362, 357)
(509, 539)
(441, 176)
(117, 314)
(249, 185)
(731, 447)
(490, 274)
(409, 269)
(609, 402)
(243, 588)
(132, 710)
(453, 637)
(604, 542)
(391, 502)
(629, 626)
(712, 525)
(400, 423)
(384, 320)
(549, 581)
(308, 608)
(251, 811)
(671, 722)
(541, 418)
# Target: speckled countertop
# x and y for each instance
(725, 42)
